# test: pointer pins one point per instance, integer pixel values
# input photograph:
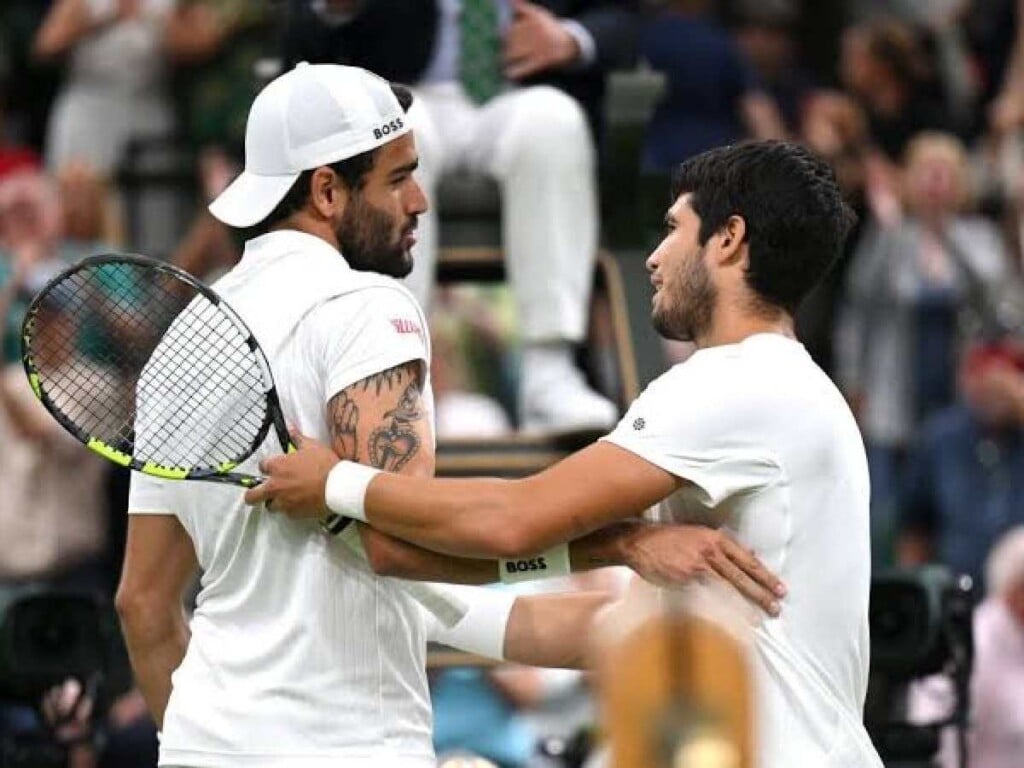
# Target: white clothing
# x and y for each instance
(114, 90)
(535, 142)
(299, 655)
(772, 455)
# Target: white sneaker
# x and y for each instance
(562, 402)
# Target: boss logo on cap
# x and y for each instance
(388, 128)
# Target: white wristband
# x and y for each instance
(546, 565)
(345, 491)
(482, 628)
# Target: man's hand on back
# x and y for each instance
(670, 555)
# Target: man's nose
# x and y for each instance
(417, 200)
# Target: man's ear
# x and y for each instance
(327, 194)
(731, 239)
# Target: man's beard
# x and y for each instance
(365, 238)
(690, 314)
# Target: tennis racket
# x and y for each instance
(154, 371)
(151, 369)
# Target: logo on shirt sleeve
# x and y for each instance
(639, 424)
(402, 325)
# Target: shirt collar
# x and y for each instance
(286, 241)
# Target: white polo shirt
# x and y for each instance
(300, 655)
(773, 455)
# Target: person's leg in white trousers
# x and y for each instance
(535, 142)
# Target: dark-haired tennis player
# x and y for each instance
(301, 652)
(747, 435)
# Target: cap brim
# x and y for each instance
(250, 198)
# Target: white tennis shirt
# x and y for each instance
(773, 456)
(300, 656)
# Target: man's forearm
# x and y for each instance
(389, 556)
(549, 630)
(156, 648)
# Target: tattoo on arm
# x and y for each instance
(389, 379)
(393, 442)
(344, 420)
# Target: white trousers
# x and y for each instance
(536, 144)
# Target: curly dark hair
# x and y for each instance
(796, 219)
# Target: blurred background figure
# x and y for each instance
(55, 517)
(766, 33)
(995, 735)
(884, 67)
(996, 31)
(834, 126)
(115, 86)
(914, 287)
(965, 478)
(476, 67)
(472, 371)
(45, 226)
(713, 95)
(119, 54)
(997, 690)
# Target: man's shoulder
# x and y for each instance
(371, 298)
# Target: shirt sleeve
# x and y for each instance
(149, 495)
(699, 423)
(585, 41)
(365, 333)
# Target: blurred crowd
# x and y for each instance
(121, 119)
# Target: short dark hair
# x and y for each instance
(352, 170)
(796, 219)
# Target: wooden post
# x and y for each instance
(677, 693)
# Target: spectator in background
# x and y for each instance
(996, 31)
(909, 287)
(997, 685)
(218, 73)
(53, 509)
(835, 127)
(884, 66)
(473, 65)
(713, 95)
(965, 484)
(43, 228)
(765, 33)
(116, 88)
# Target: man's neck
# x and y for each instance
(730, 326)
(301, 222)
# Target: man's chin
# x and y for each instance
(667, 330)
(403, 267)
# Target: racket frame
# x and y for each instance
(221, 474)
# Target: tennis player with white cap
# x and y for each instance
(301, 651)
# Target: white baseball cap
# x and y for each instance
(314, 115)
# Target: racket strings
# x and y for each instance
(144, 362)
(211, 409)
